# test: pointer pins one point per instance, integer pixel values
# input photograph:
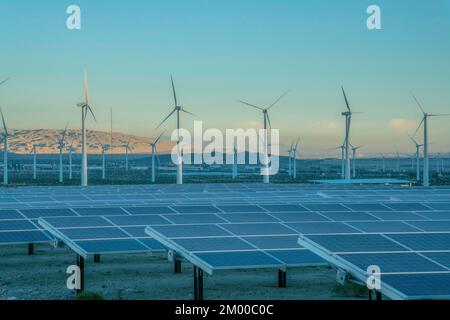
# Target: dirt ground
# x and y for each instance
(43, 276)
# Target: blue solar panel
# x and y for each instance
(382, 226)
(440, 257)
(356, 243)
(137, 232)
(11, 225)
(367, 207)
(10, 214)
(420, 286)
(397, 216)
(107, 211)
(258, 229)
(393, 262)
(138, 220)
(274, 242)
(326, 207)
(76, 222)
(37, 213)
(283, 208)
(297, 257)
(349, 216)
(193, 218)
(106, 246)
(153, 244)
(436, 215)
(183, 231)
(407, 206)
(18, 237)
(423, 241)
(242, 259)
(212, 244)
(149, 210)
(196, 209)
(439, 205)
(298, 216)
(431, 226)
(247, 217)
(240, 209)
(322, 228)
(94, 233)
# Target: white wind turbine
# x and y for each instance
(105, 148)
(61, 146)
(128, 149)
(178, 109)
(418, 146)
(71, 150)
(294, 159)
(154, 155)
(34, 161)
(85, 108)
(424, 122)
(348, 119)
(266, 121)
(5, 137)
(354, 149)
(289, 158)
(342, 148)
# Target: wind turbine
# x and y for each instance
(61, 145)
(266, 121)
(154, 155)
(348, 119)
(291, 149)
(235, 164)
(342, 147)
(128, 148)
(424, 122)
(5, 137)
(178, 109)
(417, 157)
(105, 147)
(85, 108)
(71, 150)
(34, 161)
(354, 149)
(294, 159)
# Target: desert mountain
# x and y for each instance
(47, 141)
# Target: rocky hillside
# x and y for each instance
(46, 141)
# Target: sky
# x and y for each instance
(220, 51)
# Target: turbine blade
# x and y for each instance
(4, 81)
(185, 111)
(86, 87)
(251, 105)
(276, 101)
(92, 113)
(157, 139)
(413, 140)
(418, 103)
(174, 93)
(346, 100)
(421, 122)
(165, 119)
(268, 120)
(4, 122)
(439, 115)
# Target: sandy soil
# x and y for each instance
(43, 276)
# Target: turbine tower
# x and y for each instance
(85, 108)
(178, 109)
(354, 149)
(105, 148)
(61, 145)
(71, 150)
(5, 137)
(418, 146)
(128, 149)
(154, 155)
(348, 119)
(424, 122)
(294, 159)
(342, 147)
(266, 121)
(235, 164)
(34, 161)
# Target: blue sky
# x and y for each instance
(220, 51)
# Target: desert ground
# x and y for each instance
(43, 277)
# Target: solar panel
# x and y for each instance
(239, 259)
